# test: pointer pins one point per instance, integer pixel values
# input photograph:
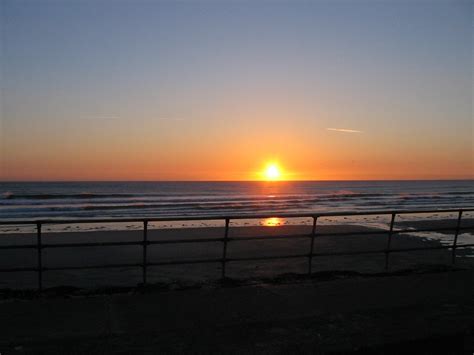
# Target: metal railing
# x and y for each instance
(145, 242)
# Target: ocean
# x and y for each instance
(39, 200)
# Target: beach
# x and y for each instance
(245, 248)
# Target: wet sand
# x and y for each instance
(467, 225)
(130, 276)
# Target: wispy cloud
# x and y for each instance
(116, 117)
(100, 117)
(344, 130)
(169, 119)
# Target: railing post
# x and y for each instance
(224, 250)
(455, 242)
(40, 261)
(310, 256)
(145, 245)
(389, 241)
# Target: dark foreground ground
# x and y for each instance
(422, 312)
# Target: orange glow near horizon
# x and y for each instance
(344, 157)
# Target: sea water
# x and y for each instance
(37, 200)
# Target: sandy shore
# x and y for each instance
(129, 276)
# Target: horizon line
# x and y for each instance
(266, 181)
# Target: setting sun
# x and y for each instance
(272, 172)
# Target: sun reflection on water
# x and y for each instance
(272, 222)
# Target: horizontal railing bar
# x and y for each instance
(178, 241)
(69, 245)
(105, 244)
(92, 244)
(342, 253)
(105, 266)
(22, 246)
(19, 269)
(421, 248)
(289, 236)
(259, 237)
(340, 234)
(235, 217)
(184, 262)
(269, 257)
(391, 250)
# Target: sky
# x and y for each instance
(215, 90)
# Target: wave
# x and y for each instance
(179, 197)
(60, 200)
(85, 195)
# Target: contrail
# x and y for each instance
(344, 130)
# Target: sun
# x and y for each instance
(272, 172)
